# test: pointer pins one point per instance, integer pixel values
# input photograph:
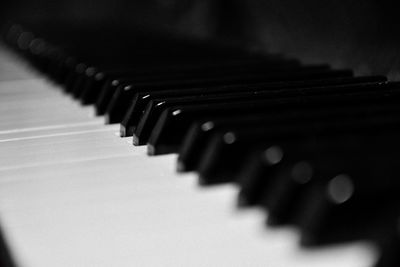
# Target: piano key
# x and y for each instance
(227, 149)
(188, 114)
(201, 132)
(189, 82)
(285, 186)
(253, 64)
(168, 71)
(88, 93)
(144, 217)
(258, 173)
(107, 91)
(352, 198)
(173, 124)
(233, 103)
(201, 78)
(91, 91)
(254, 175)
(141, 99)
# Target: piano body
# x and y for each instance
(73, 192)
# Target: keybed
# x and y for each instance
(73, 190)
(76, 193)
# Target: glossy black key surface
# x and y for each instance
(138, 85)
(258, 172)
(123, 96)
(254, 175)
(350, 197)
(108, 89)
(89, 93)
(200, 131)
(141, 99)
(237, 102)
(173, 124)
(287, 184)
(86, 91)
(227, 149)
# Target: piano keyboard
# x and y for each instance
(74, 193)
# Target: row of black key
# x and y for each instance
(315, 147)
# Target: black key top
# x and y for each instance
(141, 99)
(168, 141)
(161, 65)
(173, 124)
(103, 100)
(89, 92)
(306, 73)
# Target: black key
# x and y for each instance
(74, 77)
(349, 195)
(169, 139)
(90, 91)
(259, 173)
(255, 174)
(103, 100)
(173, 124)
(305, 73)
(141, 99)
(235, 63)
(200, 133)
(286, 185)
(227, 149)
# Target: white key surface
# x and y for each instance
(73, 193)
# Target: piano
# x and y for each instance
(243, 156)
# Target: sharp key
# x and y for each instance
(131, 119)
(348, 200)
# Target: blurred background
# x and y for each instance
(360, 34)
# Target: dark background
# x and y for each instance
(362, 35)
